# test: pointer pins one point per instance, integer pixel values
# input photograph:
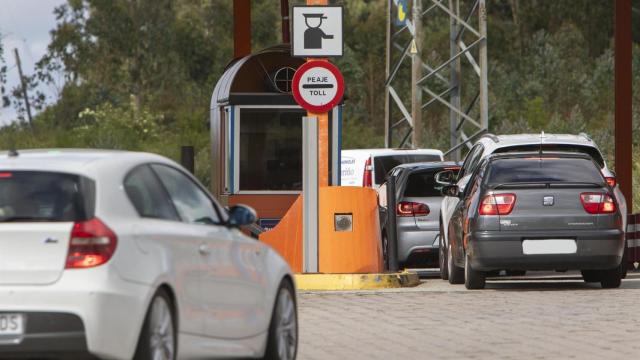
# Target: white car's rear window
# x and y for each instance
(27, 196)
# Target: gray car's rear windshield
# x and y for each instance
(27, 196)
(543, 170)
(384, 164)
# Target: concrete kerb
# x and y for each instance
(320, 282)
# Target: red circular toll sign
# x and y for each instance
(318, 86)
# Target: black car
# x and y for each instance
(418, 199)
(534, 211)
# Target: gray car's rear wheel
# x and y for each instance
(612, 278)
(282, 343)
(590, 276)
(456, 274)
(516, 272)
(473, 279)
(158, 338)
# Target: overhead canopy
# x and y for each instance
(250, 80)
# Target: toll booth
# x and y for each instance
(256, 135)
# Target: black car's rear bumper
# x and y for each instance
(47, 336)
(493, 250)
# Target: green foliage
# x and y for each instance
(117, 128)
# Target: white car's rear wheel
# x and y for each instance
(158, 337)
(282, 343)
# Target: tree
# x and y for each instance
(4, 99)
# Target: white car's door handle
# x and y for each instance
(204, 249)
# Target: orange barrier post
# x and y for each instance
(356, 251)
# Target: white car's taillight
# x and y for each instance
(92, 244)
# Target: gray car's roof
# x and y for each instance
(517, 139)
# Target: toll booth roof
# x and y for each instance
(263, 78)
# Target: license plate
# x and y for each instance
(549, 246)
(11, 324)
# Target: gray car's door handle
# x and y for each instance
(203, 249)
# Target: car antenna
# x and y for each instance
(13, 152)
(541, 138)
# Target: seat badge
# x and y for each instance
(547, 201)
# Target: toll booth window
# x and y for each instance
(271, 149)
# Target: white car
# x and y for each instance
(122, 255)
(490, 144)
(368, 167)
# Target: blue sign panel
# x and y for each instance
(402, 11)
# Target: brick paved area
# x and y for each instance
(534, 319)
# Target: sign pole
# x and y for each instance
(310, 194)
(322, 133)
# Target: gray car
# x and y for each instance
(418, 199)
(533, 211)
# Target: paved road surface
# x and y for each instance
(543, 317)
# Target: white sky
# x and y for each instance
(25, 25)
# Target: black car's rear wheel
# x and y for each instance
(442, 259)
(385, 250)
(456, 274)
(473, 279)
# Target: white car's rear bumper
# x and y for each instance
(94, 305)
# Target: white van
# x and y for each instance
(368, 167)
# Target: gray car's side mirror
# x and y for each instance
(240, 215)
(445, 177)
(451, 190)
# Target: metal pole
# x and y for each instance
(310, 194)
(323, 128)
(392, 232)
(387, 72)
(284, 13)
(416, 74)
(187, 158)
(24, 87)
(241, 28)
(456, 68)
(623, 94)
(484, 76)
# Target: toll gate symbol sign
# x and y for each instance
(317, 31)
(313, 35)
